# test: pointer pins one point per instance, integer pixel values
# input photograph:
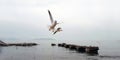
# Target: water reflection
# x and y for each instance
(0, 50)
(92, 54)
(93, 58)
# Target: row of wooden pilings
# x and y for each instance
(82, 49)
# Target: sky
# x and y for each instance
(80, 19)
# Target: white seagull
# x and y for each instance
(53, 22)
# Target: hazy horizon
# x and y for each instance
(82, 19)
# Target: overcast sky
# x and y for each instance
(82, 19)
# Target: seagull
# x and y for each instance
(53, 22)
(57, 30)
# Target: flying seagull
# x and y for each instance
(58, 30)
(53, 22)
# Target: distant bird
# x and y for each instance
(57, 30)
(53, 22)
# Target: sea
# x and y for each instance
(108, 50)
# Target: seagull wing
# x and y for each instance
(55, 32)
(50, 16)
(58, 30)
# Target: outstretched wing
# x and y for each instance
(55, 32)
(58, 30)
(50, 16)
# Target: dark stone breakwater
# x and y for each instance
(82, 49)
(19, 44)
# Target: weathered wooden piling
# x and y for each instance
(53, 44)
(63, 44)
(67, 46)
(72, 47)
(92, 49)
(81, 49)
(59, 45)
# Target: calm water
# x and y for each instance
(109, 50)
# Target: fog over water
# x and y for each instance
(84, 22)
(82, 19)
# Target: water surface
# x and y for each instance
(44, 51)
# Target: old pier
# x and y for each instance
(17, 44)
(82, 49)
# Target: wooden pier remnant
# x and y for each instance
(67, 46)
(17, 44)
(62, 44)
(72, 47)
(83, 49)
(92, 49)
